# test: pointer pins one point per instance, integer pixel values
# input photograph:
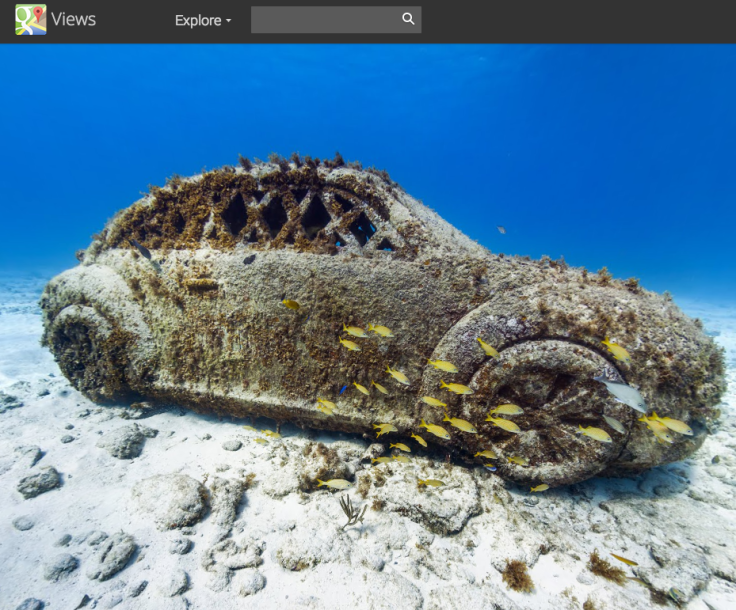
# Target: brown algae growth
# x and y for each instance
(516, 576)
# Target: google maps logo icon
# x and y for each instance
(30, 19)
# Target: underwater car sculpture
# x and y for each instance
(229, 293)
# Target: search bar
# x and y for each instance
(336, 20)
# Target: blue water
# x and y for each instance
(622, 156)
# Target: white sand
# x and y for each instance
(678, 521)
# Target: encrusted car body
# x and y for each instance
(202, 324)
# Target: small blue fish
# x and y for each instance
(490, 468)
(145, 253)
(141, 248)
(343, 389)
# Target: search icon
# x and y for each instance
(407, 18)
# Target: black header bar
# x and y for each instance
(459, 21)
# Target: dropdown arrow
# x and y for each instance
(228, 20)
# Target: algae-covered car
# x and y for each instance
(230, 292)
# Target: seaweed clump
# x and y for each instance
(322, 463)
(632, 284)
(604, 276)
(601, 567)
(364, 486)
(248, 481)
(200, 285)
(516, 577)
(245, 163)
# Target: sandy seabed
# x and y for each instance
(170, 509)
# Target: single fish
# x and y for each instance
(501, 230)
(436, 430)
(401, 458)
(660, 430)
(673, 424)
(380, 330)
(487, 348)
(251, 428)
(639, 580)
(460, 424)
(335, 483)
(361, 388)
(504, 424)
(506, 410)
(249, 259)
(271, 434)
(443, 365)
(458, 388)
(379, 387)
(490, 467)
(432, 482)
(354, 330)
(542, 487)
(419, 440)
(487, 453)
(142, 249)
(677, 596)
(595, 433)
(261, 441)
(291, 304)
(381, 460)
(385, 428)
(433, 401)
(398, 375)
(624, 393)
(628, 562)
(517, 459)
(352, 346)
(342, 389)
(619, 353)
(401, 446)
(327, 403)
(324, 409)
(146, 254)
(615, 424)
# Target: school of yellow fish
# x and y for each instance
(660, 426)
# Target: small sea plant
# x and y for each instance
(600, 567)
(604, 276)
(516, 577)
(633, 285)
(354, 515)
(245, 163)
(378, 504)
